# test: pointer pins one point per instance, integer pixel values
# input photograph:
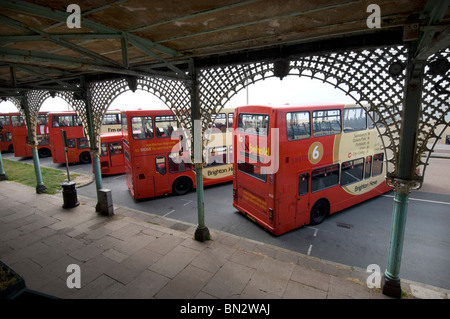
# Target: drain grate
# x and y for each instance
(344, 225)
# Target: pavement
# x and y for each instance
(144, 256)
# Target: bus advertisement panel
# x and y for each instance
(157, 159)
(6, 140)
(329, 158)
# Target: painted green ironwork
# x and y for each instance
(2, 169)
(29, 105)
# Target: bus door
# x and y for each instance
(302, 198)
(115, 154)
(161, 180)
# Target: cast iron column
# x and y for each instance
(404, 181)
(202, 232)
(93, 147)
(31, 130)
(2, 170)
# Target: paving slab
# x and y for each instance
(140, 255)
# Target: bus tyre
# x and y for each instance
(85, 158)
(182, 186)
(44, 152)
(319, 212)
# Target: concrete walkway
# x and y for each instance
(140, 255)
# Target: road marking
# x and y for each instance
(169, 213)
(188, 202)
(422, 200)
(315, 230)
(309, 249)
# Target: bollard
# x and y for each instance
(69, 195)
(105, 203)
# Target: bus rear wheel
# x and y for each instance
(319, 212)
(85, 158)
(44, 152)
(182, 186)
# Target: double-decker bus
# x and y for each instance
(157, 161)
(111, 153)
(20, 136)
(77, 142)
(6, 140)
(295, 165)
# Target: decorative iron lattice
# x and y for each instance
(435, 117)
(363, 75)
(31, 100)
(173, 93)
(366, 75)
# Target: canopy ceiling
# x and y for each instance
(139, 37)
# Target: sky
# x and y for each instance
(292, 90)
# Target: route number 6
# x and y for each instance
(315, 152)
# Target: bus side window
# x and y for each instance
(303, 181)
(71, 143)
(103, 150)
(368, 167)
(83, 143)
(160, 162)
(230, 122)
(115, 148)
(352, 171)
(377, 166)
(324, 177)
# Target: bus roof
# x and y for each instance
(147, 112)
(111, 137)
(287, 107)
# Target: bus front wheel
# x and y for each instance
(85, 158)
(319, 212)
(182, 186)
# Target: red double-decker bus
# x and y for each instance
(77, 142)
(111, 154)
(156, 160)
(20, 136)
(6, 140)
(295, 165)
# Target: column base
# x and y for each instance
(41, 189)
(104, 204)
(3, 177)
(202, 234)
(391, 287)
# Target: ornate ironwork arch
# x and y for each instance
(374, 78)
(173, 93)
(29, 105)
(435, 109)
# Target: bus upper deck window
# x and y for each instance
(326, 122)
(142, 127)
(298, 125)
(257, 124)
(354, 119)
